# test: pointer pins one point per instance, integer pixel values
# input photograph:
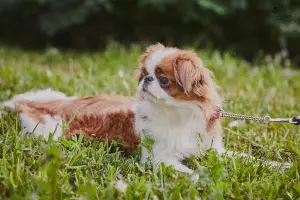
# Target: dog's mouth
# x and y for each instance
(145, 90)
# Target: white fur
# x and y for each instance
(178, 132)
(47, 94)
(157, 57)
(50, 125)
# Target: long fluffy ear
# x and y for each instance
(196, 80)
(188, 72)
(140, 71)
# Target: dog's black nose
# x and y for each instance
(148, 79)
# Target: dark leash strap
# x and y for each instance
(266, 119)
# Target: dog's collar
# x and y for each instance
(217, 115)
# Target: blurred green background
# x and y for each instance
(248, 28)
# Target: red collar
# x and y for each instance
(217, 115)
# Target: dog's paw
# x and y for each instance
(194, 178)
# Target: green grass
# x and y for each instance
(32, 167)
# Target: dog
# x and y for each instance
(175, 105)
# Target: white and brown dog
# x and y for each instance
(175, 106)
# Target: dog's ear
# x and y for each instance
(190, 74)
(196, 81)
(141, 71)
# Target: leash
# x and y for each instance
(267, 119)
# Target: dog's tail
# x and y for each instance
(47, 94)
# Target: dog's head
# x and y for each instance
(174, 76)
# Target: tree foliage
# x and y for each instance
(245, 26)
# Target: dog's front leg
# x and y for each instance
(163, 154)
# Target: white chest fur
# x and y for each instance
(175, 129)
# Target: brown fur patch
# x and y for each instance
(99, 117)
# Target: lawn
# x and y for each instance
(34, 168)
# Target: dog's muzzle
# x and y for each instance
(148, 79)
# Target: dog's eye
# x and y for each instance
(163, 80)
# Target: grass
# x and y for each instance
(32, 168)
